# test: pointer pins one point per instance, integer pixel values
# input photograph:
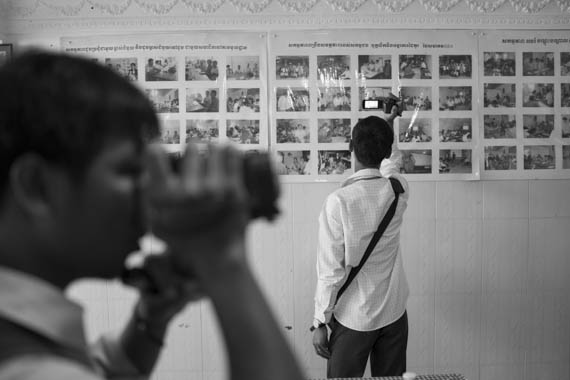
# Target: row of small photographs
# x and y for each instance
(419, 130)
(298, 162)
(337, 162)
(166, 68)
(535, 157)
(291, 131)
(297, 99)
(533, 64)
(242, 100)
(208, 131)
(534, 126)
(541, 95)
(337, 67)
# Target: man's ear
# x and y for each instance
(30, 176)
(388, 152)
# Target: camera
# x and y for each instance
(384, 103)
(260, 181)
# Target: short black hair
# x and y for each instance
(65, 108)
(372, 140)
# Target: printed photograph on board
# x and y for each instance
(414, 130)
(161, 69)
(164, 100)
(333, 162)
(415, 66)
(499, 95)
(455, 66)
(565, 95)
(293, 162)
(170, 131)
(333, 130)
(125, 67)
(565, 156)
(415, 161)
(565, 63)
(416, 98)
(372, 93)
(375, 67)
(333, 99)
(333, 67)
(242, 68)
(455, 130)
(202, 131)
(202, 100)
(293, 131)
(292, 99)
(538, 95)
(500, 157)
(538, 126)
(455, 98)
(539, 157)
(201, 68)
(243, 131)
(501, 64)
(243, 100)
(455, 161)
(292, 67)
(565, 126)
(538, 64)
(499, 127)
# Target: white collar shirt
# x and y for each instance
(349, 218)
(33, 304)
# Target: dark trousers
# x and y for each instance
(350, 350)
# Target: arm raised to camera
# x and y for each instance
(392, 164)
(201, 213)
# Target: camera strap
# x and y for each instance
(398, 189)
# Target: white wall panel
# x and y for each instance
(505, 199)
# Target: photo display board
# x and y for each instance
(476, 104)
(525, 89)
(319, 80)
(206, 87)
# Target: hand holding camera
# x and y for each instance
(385, 103)
(201, 205)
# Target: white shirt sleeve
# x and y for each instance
(392, 164)
(330, 259)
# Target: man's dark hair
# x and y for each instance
(372, 140)
(65, 108)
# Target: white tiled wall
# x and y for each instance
(488, 265)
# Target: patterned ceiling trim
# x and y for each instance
(345, 5)
(485, 6)
(28, 8)
(393, 5)
(203, 7)
(250, 6)
(438, 5)
(298, 6)
(111, 7)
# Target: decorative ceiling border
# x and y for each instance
(31, 8)
(264, 23)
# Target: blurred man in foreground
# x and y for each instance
(80, 185)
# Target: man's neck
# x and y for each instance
(359, 166)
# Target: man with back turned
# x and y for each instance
(369, 319)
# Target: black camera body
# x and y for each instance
(260, 182)
(385, 103)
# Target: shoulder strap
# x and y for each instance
(398, 189)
